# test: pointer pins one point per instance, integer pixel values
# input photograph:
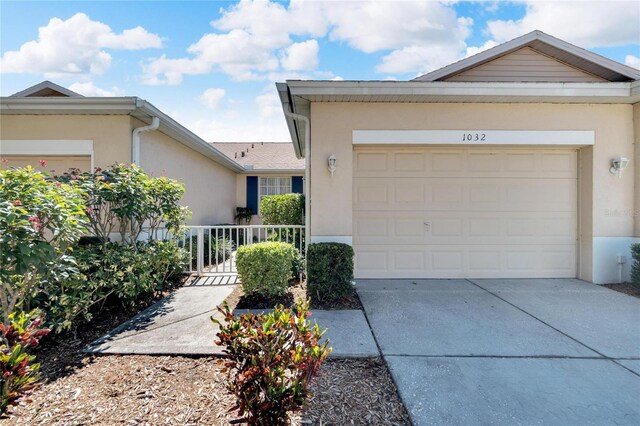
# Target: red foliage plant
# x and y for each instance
(271, 360)
(18, 371)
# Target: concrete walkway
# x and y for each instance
(180, 325)
(505, 352)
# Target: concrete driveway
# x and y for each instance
(512, 352)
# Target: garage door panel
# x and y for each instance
(452, 213)
(56, 165)
(411, 194)
(459, 227)
(454, 261)
(465, 162)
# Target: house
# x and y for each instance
(49, 122)
(269, 169)
(522, 161)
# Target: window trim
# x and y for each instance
(260, 194)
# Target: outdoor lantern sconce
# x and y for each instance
(332, 163)
(618, 164)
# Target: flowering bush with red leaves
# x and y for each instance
(271, 360)
(18, 371)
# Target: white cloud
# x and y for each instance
(586, 24)
(473, 50)
(75, 46)
(215, 130)
(91, 90)
(301, 56)
(632, 61)
(250, 36)
(268, 104)
(211, 97)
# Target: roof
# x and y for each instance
(46, 89)
(29, 102)
(621, 85)
(262, 156)
(560, 50)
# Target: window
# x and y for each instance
(274, 186)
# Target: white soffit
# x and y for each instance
(474, 137)
(46, 147)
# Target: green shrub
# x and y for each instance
(329, 271)
(120, 272)
(286, 209)
(265, 268)
(635, 267)
(39, 220)
(271, 360)
(18, 371)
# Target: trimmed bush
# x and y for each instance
(271, 360)
(265, 268)
(18, 371)
(329, 271)
(635, 267)
(285, 209)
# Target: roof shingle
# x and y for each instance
(262, 155)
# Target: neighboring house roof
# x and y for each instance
(560, 50)
(262, 156)
(614, 83)
(46, 89)
(33, 101)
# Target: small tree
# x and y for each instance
(125, 199)
(39, 219)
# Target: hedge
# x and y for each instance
(265, 268)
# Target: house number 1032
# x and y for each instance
(473, 137)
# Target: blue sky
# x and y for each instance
(212, 65)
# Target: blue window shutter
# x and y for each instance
(252, 193)
(296, 184)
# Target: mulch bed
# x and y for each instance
(147, 390)
(296, 292)
(626, 288)
(79, 389)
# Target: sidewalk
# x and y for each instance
(180, 324)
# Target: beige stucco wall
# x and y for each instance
(111, 134)
(603, 195)
(210, 187)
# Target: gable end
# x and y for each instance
(524, 65)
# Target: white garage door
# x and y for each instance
(464, 212)
(56, 165)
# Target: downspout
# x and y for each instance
(135, 139)
(307, 175)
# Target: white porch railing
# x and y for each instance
(213, 248)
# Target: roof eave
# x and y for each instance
(287, 107)
(132, 106)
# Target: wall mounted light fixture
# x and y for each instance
(331, 163)
(618, 164)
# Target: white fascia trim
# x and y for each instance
(46, 147)
(474, 137)
(344, 239)
(295, 172)
(437, 88)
